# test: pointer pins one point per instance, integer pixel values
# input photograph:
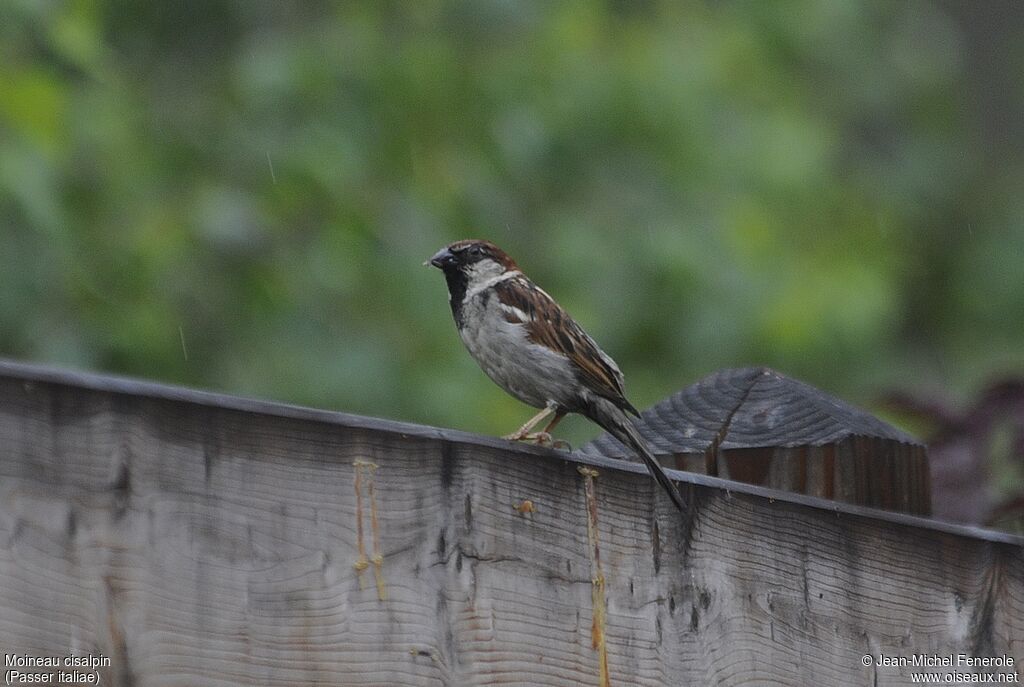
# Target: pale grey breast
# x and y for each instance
(533, 374)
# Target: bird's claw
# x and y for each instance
(535, 438)
(544, 439)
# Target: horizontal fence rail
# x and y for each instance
(152, 535)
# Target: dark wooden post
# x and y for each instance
(757, 426)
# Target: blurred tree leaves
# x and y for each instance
(254, 183)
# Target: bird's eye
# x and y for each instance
(475, 250)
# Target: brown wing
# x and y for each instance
(549, 325)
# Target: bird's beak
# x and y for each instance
(440, 258)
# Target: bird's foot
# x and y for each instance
(542, 438)
(545, 439)
(539, 438)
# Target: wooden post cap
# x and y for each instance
(757, 426)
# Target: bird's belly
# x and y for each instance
(533, 374)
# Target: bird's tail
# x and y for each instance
(623, 429)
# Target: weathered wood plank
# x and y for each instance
(202, 539)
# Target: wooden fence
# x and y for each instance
(174, 537)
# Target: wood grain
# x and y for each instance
(198, 539)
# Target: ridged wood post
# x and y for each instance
(757, 426)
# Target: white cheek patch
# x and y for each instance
(484, 269)
(481, 280)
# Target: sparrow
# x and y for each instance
(530, 347)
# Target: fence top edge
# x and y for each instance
(117, 384)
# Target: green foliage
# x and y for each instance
(239, 194)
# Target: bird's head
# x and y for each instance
(472, 259)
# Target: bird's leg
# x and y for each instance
(554, 423)
(523, 432)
